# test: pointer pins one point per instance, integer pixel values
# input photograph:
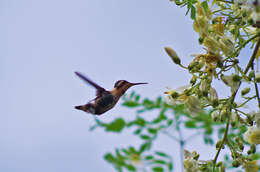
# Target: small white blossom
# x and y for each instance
(252, 135)
(233, 117)
(213, 95)
(257, 77)
(215, 115)
(175, 96)
(190, 164)
(193, 105)
(229, 81)
(256, 116)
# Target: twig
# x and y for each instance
(256, 87)
(192, 136)
(171, 136)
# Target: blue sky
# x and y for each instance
(43, 42)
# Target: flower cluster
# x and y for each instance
(191, 163)
(181, 96)
(224, 29)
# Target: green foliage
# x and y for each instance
(148, 129)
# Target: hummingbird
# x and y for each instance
(105, 100)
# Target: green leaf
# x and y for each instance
(140, 121)
(130, 104)
(159, 161)
(132, 94)
(137, 98)
(148, 157)
(138, 131)
(125, 151)
(116, 126)
(193, 13)
(157, 169)
(170, 166)
(255, 156)
(208, 130)
(169, 122)
(205, 7)
(132, 149)
(190, 124)
(152, 130)
(145, 137)
(109, 157)
(130, 167)
(144, 147)
(159, 101)
(162, 154)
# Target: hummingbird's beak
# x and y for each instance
(139, 83)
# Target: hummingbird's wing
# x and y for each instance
(100, 90)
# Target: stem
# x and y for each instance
(171, 136)
(184, 67)
(230, 2)
(242, 112)
(242, 104)
(222, 143)
(256, 87)
(181, 143)
(192, 136)
(232, 98)
(257, 95)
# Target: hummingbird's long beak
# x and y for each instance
(139, 83)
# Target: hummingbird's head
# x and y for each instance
(124, 85)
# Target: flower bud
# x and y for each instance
(195, 155)
(250, 166)
(236, 78)
(241, 147)
(215, 115)
(253, 148)
(251, 74)
(245, 91)
(235, 163)
(219, 164)
(257, 77)
(173, 55)
(174, 94)
(218, 144)
(193, 80)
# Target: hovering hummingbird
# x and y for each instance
(105, 100)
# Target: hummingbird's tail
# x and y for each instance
(80, 107)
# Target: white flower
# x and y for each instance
(252, 135)
(190, 164)
(193, 105)
(250, 166)
(230, 81)
(257, 77)
(251, 30)
(204, 86)
(175, 96)
(227, 45)
(213, 95)
(256, 116)
(255, 16)
(233, 117)
(215, 115)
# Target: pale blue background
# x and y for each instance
(44, 41)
